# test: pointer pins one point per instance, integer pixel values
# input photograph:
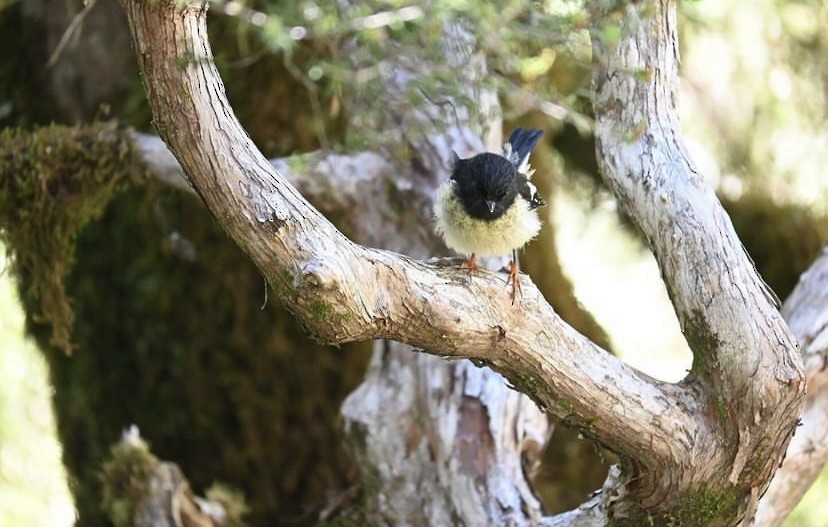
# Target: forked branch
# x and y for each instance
(344, 292)
(726, 426)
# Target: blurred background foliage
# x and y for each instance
(170, 331)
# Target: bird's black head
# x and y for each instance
(485, 185)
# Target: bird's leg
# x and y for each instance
(471, 264)
(514, 276)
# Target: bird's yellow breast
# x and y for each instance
(468, 235)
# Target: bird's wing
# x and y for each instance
(520, 144)
(529, 192)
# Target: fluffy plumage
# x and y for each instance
(487, 206)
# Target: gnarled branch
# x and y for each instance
(746, 369)
(724, 427)
(344, 292)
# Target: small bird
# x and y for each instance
(487, 206)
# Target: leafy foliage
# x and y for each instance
(533, 52)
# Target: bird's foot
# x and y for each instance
(514, 278)
(471, 265)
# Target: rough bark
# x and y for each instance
(451, 439)
(746, 370)
(413, 187)
(700, 452)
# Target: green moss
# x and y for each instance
(524, 383)
(699, 508)
(171, 315)
(53, 181)
(702, 342)
(298, 163)
(321, 310)
(232, 499)
(702, 507)
(334, 321)
(125, 480)
(125, 476)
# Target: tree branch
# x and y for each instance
(726, 425)
(344, 292)
(746, 366)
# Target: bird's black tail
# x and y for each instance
(523, 141)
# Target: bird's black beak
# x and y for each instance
(491, 205)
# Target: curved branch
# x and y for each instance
(343, 292)
(727, 425)
(746, 366)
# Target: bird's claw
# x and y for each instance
(514, 278)
(471, 265)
